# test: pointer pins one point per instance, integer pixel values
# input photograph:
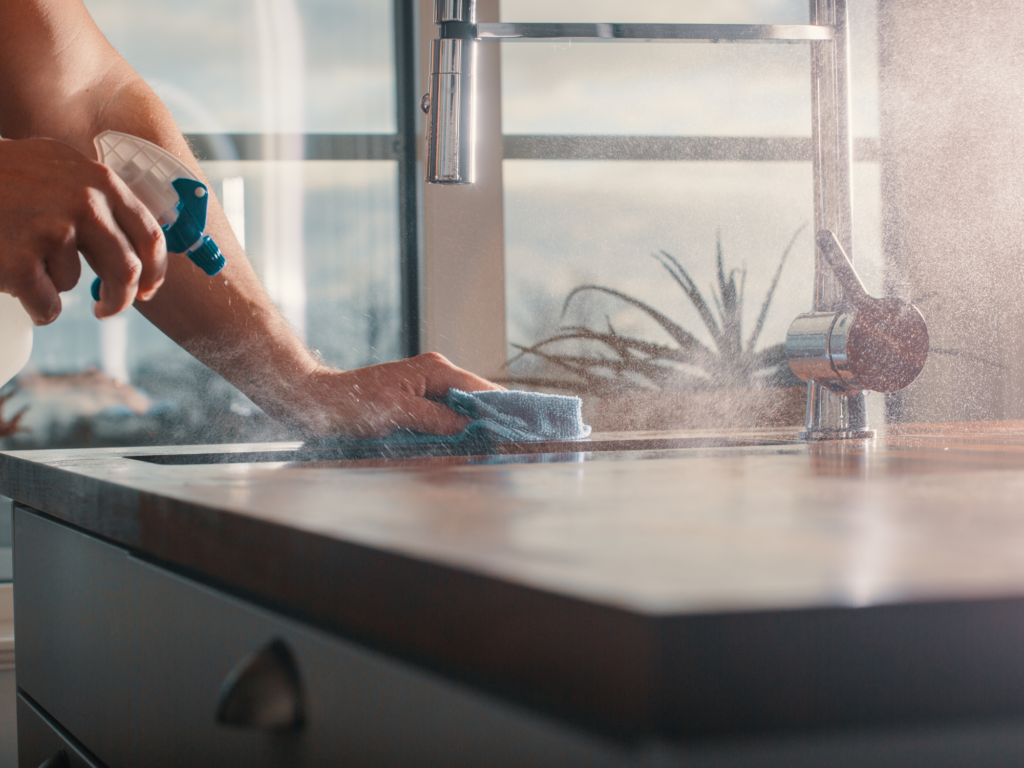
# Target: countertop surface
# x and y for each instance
(665, 583)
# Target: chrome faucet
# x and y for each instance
(836, 384)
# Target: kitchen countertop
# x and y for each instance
(667, 584)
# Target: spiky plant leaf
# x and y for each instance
(682, 277)
(681, 337)
(759, 325)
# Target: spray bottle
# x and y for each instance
(16, 339)
(171, 192)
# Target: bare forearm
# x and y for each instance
(229, 323)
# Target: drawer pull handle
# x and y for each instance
(263, 692)
(59, 760)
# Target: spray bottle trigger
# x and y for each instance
(191, 222)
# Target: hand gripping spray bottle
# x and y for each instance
(171, 192)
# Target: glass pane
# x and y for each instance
(660, 90)
(654, 11)
(676, 89)
(670, 89)
(573, 223)
(251, 66)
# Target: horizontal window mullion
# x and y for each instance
(384, 146)
(308, 146)
(698, 148)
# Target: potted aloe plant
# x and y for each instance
(632, 383)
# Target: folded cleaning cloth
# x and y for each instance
(500, 416)
(510, 415)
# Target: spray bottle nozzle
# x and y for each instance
(208, 256)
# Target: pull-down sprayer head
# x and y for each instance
(450, 107)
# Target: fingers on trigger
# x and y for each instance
(64, 269)
(112, 258)
(148, 243)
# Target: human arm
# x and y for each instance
(60, 78)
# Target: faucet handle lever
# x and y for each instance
(875, 344)
(836, 257)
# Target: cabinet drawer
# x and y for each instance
(40, 739)
(130, 659)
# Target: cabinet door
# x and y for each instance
(72, 607)
(131, 659)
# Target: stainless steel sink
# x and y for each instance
(373, 450)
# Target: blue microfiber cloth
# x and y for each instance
(513, 416)
(499, 416)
